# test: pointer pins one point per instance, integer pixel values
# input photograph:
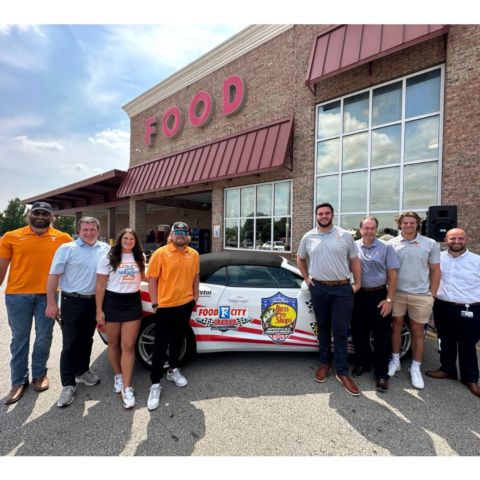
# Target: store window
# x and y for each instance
(259, 217)
(378, 151)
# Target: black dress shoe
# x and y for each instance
(358, 371)
(382, 385)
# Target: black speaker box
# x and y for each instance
(440, 219)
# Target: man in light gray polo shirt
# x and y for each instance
(332, 258)
(418, 280)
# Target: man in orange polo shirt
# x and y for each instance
(29, 251)
(173, 280)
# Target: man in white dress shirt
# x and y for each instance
(457, 311)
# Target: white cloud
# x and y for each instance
(112, 138)
(8, 29)
(18, 124)
(34, 146)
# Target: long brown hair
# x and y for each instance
(115, 254)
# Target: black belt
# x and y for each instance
(333, 283)
(78, 295)
(372, 289)
(461, 304)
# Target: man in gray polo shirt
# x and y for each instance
(418, 281)
(332, 257)
(373, 304)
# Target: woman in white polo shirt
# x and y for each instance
(119, 307)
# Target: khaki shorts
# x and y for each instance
(419, 307)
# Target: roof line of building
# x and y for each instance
(236, 46)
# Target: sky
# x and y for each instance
(66, 69)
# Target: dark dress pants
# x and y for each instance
(332, 305)
(78, 326)
(171, 327)
(458, 334)
(366, 319)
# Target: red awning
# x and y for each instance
(348, 46)
(258, 150)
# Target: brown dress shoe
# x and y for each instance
(382, 385)
(349, 384)
(41, 384)
(440, 374)
(322, 373)
(15, 394)
(473, 387)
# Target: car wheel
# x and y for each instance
(406, 341)
(146, 337)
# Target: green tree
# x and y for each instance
(13, 217)
(65, 224)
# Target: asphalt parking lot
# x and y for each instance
(240, 404)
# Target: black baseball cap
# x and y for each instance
(42, 206)
(180, 226)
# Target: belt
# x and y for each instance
(461, 304)
(78, 295)
(372, 289)
(333, 283)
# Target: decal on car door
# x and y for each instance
(279, 316)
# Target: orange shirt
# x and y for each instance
(175, 271)
(30, 257)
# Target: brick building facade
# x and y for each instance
(273, 62)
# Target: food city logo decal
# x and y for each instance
(279, 316)
(223, 318)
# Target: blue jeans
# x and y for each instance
(333, 311)
(21, 309)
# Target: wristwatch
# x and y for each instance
(388, 300)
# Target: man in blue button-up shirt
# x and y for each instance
(74, 268)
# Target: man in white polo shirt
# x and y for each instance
(332, 256)
(457, 311)
(418, 280)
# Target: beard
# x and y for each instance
(325, 223)
(40, 222)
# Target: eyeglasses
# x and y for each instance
(180, 232)
(41, 213)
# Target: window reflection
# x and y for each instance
(351, 223)
(328, 123)
(281, 233)
(355, 151)
(355, 112)
(232, 205)
(420, 185)
(328, 154)
(264, 233)
(387, 104)
(423, 94)
(327, 190)
(231, 233)
(354, 192)
(421, 139)
(247, 196)
(246, 233)
(385, 189)
(282, 199)
(386, 145)
(264, 200)
(386, 220)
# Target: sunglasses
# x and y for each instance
(180, 232)
(41, 213)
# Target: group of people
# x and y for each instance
(99, 285)
(407, 276)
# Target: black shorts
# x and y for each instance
(122, 307)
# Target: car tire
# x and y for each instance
(406, 343)
(145, 340)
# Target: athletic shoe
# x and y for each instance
(67, 396)
(176, 377)
(118, 383)
(394, 366)
(128, 398)
(88, 378)
(416, 378)
(154, 396)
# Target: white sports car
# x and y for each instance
(249, 301)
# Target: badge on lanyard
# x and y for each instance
(466, 313)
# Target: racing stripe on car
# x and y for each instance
(221, 338)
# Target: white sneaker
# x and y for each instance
(393, 366)
(118, 383)
(67, 396)
(88, 378)
(175, 376)
(154, 396)
(416, 378)
(128, 398)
